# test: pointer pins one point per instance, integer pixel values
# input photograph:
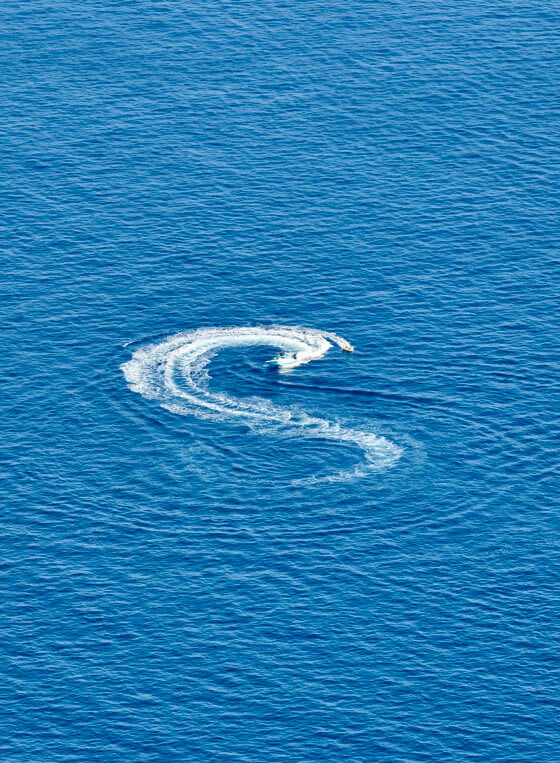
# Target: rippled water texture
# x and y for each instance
(350, 559)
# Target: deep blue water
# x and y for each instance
(176, 588)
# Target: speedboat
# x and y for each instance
(285, 361)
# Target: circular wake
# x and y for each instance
(174, 373)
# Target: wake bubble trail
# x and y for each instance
(174, 373)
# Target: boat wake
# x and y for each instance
(174, 372)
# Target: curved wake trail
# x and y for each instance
(174, 373)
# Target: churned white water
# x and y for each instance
(174, 372)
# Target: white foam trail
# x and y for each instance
(174, 373)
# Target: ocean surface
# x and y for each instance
(209, 557)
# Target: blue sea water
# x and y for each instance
(178, 587)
